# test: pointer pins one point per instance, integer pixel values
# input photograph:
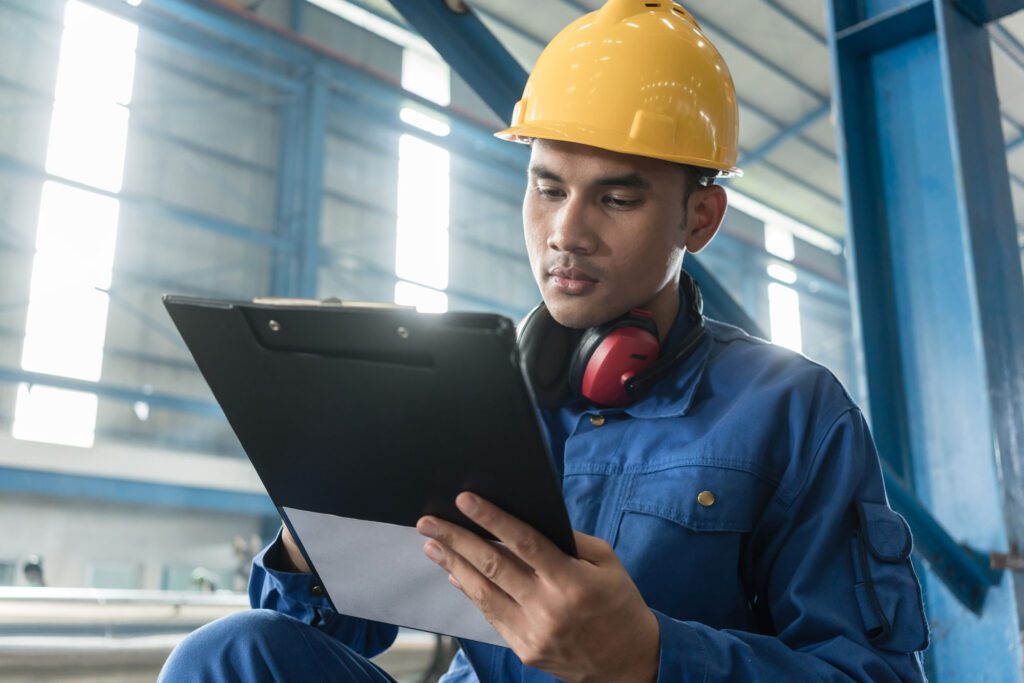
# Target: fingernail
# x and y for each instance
(468, 503)
(433, 551)
(455, 582)
(428, 528)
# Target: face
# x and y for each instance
(606, 232)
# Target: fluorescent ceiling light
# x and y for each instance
(752, 207)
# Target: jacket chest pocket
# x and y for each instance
(683, 536)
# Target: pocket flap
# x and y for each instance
(884, 531)
(700, 497)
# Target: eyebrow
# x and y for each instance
(622, 180)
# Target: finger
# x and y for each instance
(495, 563)
(510, 636)
(496, 605)
(528, 544)
(594, 550)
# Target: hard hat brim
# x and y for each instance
(611, 141)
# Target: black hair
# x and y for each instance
(696, 177)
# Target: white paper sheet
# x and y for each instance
(378, 571)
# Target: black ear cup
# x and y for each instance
(544, 346)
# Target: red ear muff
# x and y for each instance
(610, 355)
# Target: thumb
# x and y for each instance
(593, 549)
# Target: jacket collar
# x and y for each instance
(675, 393)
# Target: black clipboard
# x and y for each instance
(376, 412)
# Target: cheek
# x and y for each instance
(651, 255)
(533, 228)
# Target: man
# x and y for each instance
(731, 521)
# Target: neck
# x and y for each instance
(664, 307)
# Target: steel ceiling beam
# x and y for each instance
(461, 38)
(797, 21)
(114, 392)
(795, 130)
(983, 12)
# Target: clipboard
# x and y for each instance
(361, 418)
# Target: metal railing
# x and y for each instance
(79, 634)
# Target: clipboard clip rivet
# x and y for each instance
(274, 326)
(403, 332)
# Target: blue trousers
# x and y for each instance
(263, 645)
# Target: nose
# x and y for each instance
(571, 231)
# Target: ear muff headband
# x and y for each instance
(689, 344)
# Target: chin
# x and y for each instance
(575, 314)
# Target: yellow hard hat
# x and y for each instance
(638, 78)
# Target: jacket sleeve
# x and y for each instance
(460, 670)
(834, 582)
(293, 594)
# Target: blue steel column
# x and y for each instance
(315, 138)
(940, 296)
(289, 188)
(990, 238)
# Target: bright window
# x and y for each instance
(784, 313)
(425, 299)
(67, 314)
(779, 241)
(427, 76)
(783, 301)
(424, 188)
(782, 273)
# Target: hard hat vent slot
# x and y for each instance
(652, 4)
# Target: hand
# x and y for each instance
(580, 620)
(291, 557)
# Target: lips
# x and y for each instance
(571, 274)
(572, 281)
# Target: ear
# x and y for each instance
(706, 211)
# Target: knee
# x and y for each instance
(239, 647)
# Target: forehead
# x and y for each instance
(579, 163)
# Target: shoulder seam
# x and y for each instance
(817, 455)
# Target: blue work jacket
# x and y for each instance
(743, 494)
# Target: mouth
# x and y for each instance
(572, 280)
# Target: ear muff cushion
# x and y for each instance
(593, 338)
(544, 348)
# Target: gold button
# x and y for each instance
(706, 498)
(318, 590)
(597, 420)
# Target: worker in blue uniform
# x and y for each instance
(730, 516)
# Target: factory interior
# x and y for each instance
(345, 150)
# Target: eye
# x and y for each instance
(620, 202)
(549, 192)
